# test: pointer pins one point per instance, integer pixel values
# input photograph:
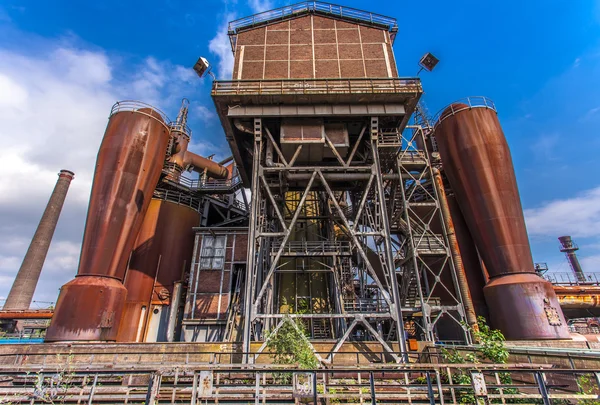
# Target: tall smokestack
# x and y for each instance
(22, 290)
(569, 248)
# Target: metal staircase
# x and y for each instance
(423, 255)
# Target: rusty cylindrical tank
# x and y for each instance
(162, 251)
(128, 168)
(22, 290)
(479, 168)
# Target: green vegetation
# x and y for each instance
(491, 349)
(289, 345)
(587, 386)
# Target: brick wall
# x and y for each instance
(314, 47)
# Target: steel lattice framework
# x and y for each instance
(362, 235)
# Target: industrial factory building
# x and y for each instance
(381, 228)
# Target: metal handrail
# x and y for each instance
(316, 86)
(137, 106)
(466, 103)
(389, 23)
(569, 278)
(313, 246)
(178, 197)
(400, 383)
(177, 127)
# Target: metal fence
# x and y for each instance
(315, 86)
(422, 384)
(569, 278)
(313, 6)
(464, 104)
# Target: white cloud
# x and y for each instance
(590, 113)
(590, 264)
(258, 6)
(578, 216)
(54, 106)
(545, 147)
(221, 47)
(204, 113)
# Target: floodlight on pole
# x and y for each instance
(202, 68)
(428, 62)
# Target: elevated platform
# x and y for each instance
(239, 101)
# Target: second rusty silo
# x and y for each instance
(161, 255)
(479, 167)
(128, 168)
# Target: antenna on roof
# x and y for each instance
(202, 68)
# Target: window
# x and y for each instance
(212, 256)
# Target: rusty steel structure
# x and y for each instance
(368, 221)
(139, 166)
(161, 255)
(21, 292)
(522, 305)
(346, 229)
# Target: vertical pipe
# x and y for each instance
(175, 298)
(251, 260)
(455, 251)
(22, 290)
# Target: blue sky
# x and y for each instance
(64, 63)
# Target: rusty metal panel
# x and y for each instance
(205, 386)
(88, 308)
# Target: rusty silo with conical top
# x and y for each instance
(128, 168)
(478, 165)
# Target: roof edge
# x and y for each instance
(314, 7)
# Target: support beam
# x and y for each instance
(251, 258)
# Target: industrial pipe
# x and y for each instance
(269, 156)
(455, 251)
(183, 159)
(21, 292)
(199, 164)
(479, 168)
(173, 310)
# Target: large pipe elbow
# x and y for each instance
(199, 164)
